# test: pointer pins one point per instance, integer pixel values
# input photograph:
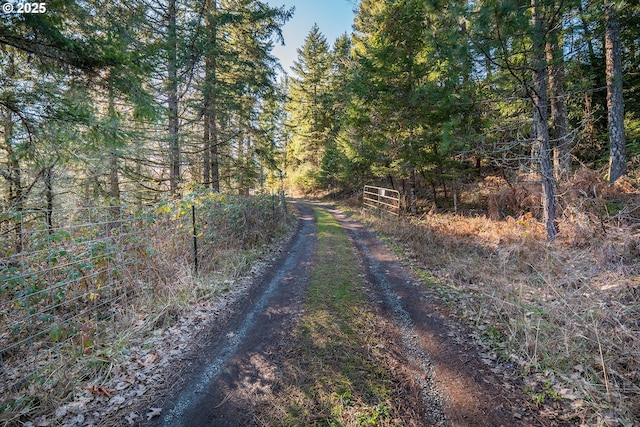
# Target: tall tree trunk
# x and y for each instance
(590, 130)
(558, 103)
(172, 89)
(211, 167)
(542, 124)
(241, 162)
(615, 103)
(114, 179)
(413, 200)
(534, 166)
(140, 187)
(16, 201)
(213, 151)
(48, 196)
(13, 175)
(413, 197)
(589, 126)
(206, 152)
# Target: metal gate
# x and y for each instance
(381, 200)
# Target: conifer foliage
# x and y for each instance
(425, 95)
(122, 102)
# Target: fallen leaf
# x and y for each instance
(131, 418)
(150, 359)
(153, 412)
(101, 390)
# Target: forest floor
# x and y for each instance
(335, 330)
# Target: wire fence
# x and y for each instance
(65, 276)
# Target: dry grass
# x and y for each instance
(158, 292)
(567, 313)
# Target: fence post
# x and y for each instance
(195, 239)
(283, 201)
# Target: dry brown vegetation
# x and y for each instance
(566, 314)
(157, 303)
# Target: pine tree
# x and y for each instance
(172, 96)
(334, 163)
(615, 102)
(559, 131)
(541, 118)
(410, 90)
(309, 110)
(513, 38)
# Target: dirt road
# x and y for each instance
(240, 364)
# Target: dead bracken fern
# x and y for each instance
(567, 313)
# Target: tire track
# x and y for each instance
(242, 363)
(459, 389)
(273, 303)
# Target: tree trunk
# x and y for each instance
(206, 152)
(172, 89)
(590, 130)
(558, 103)
(542, 124)
(16, 200)
(13, 175)
(114, 180)
(48, 196)
(534, 166)
(413, 205)
(213, 151)
(589, 127)
(211, 166)
(615, 103)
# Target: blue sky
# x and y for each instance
(334, 18)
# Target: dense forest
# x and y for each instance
(428, 95)
(139, 142)
(130, 102)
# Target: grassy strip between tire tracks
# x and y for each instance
(338, 372)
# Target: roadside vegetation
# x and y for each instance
(96, 319)
(565, 314)
(337, 371)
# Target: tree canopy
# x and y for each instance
(131, 101)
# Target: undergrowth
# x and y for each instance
(564, 313)
(153, 294)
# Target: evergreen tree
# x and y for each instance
(52, 65)
(172, 95)
(513, 38)
(410, 90)
(615, 102)
(238, 71)
(309, 110)
(334, 164)
(559, 131)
